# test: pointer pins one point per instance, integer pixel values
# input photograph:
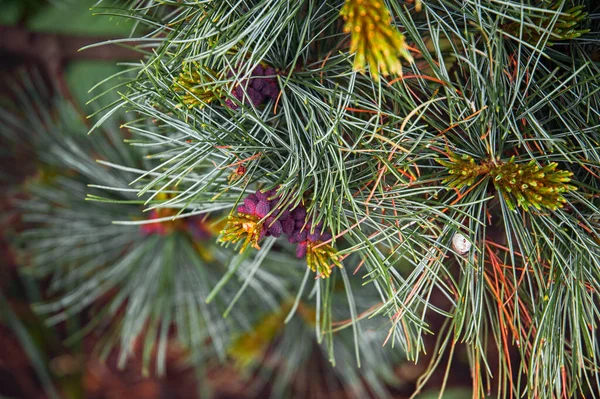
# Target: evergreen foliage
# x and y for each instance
(394, 164)
(136, 274)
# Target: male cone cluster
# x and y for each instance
(261, 215)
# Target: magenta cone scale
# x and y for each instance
(261, 215)
(258, 89)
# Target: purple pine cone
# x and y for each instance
(314, 236)
(302, 234)
(256, 97)
(287, 226)
(266, 204)
(262, 195)
(273, 227)
(259, 205)
(265, 195)
(250, 204)
(258, 84)
(301, 250)
(230, 104)
(284, 215)
(262, 208)
(255, 90)
(271, 90)
(238, 93)
(302, 239)
(258, 71)
(326, 237)
(299, 213)
(252, 197)
(298, 236)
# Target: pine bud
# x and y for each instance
(195, 87)
(374, 40)
(462, 170)
(531, 185)
(261, 86)
(259, 216)
(562, 26)
(524, 185)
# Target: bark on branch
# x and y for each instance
(55, 49)
(51, 52)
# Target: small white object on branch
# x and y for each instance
(460, 244)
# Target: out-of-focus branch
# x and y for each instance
(52, 48)
(52, 51)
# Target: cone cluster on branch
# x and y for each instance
(261, 86)
(262, 216)
(375, 41)
(525, 185)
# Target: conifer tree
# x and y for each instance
(293, 171)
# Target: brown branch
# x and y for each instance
(50, 48)
(53, 51)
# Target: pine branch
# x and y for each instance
(365, 165)
(54, 49)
